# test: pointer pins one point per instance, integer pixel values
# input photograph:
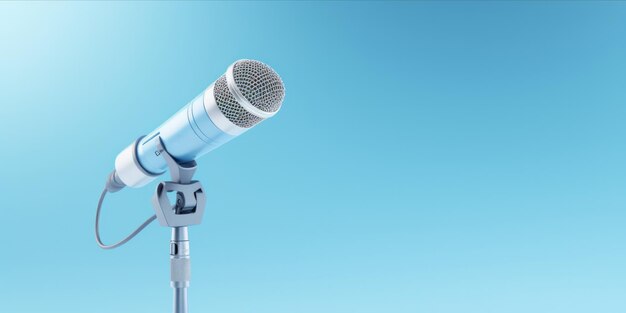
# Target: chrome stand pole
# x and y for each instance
(188, 210)
(180, 267)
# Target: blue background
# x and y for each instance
(429, 157)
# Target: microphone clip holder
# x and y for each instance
(190, 197)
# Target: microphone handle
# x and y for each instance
(190, 133)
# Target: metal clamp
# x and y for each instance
(190, 196)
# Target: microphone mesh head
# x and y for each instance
(233, 111)
(258, 83)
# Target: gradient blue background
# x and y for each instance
(429, 157)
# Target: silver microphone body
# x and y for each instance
(248, 93)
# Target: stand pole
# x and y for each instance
(180, 267)
(188, 210)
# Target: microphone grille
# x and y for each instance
(233, 111)
(258, 83)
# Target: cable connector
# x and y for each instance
(114, 183)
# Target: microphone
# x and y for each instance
(247, 94)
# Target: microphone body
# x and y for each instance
(227, 108)
(187, 135)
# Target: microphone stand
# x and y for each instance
(188, 210)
